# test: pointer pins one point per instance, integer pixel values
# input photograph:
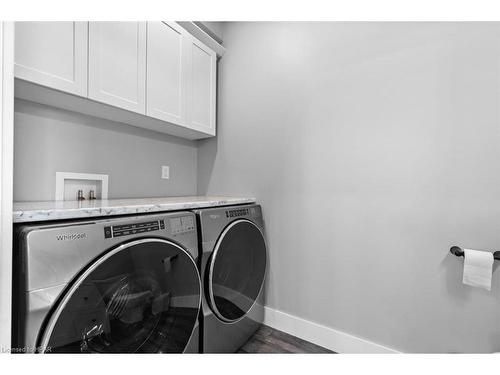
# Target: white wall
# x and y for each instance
(373, 148)
(49, 140)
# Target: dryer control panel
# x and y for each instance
(237, 213)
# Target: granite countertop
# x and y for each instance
(59, 210)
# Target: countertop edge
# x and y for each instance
(53, 214)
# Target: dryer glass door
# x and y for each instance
(237, 270)
(143, 296)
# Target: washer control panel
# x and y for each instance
(176, 225)
(133, 228)
(182, 224)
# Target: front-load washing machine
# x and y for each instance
(121, 285)
(233, 263)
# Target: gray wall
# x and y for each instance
(372, 148)
(49, 140)
(215, 27)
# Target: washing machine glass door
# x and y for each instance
(237, 270)
(143, 296)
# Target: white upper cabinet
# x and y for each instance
(52, 54)
(166, 72)
(181, 78)
(201, 88)
(154, 75)
(117, 64)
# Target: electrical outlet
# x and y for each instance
(165, 172)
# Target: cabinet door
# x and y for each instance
(53, 54)
(166, 72)
(201, 89)
(117, 64)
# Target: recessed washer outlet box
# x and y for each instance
(68, 184)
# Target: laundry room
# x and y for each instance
(245, 186)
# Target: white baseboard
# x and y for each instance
(339, 342)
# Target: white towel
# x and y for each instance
(478, 268)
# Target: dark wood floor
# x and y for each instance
(269, 340)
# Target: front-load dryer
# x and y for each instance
(122, 285)
(233, 263)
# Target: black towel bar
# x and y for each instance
(457, 251)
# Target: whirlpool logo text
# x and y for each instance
(71, 236)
